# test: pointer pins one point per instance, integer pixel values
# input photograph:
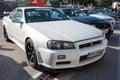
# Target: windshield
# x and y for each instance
(102, 11)
(97, 11)
(74, 12)
(42, 15)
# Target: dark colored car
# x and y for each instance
(115, 15)
(81, 16)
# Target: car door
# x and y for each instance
(17, 28)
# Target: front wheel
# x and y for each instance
(31, 53)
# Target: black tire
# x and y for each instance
(31, 53)
(5, 35)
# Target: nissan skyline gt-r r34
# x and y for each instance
(52, 40)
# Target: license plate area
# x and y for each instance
(90, 55)
(93, 54)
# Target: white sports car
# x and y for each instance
(52, 40)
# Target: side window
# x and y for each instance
(56, 15)
(18, 14)
(12, 13)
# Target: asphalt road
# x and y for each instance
(14, 65)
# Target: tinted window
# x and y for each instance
(74, 12)
(18, 14)
(93, 11)
(41, 15)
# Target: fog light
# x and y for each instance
(61, 56)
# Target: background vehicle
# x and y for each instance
(53, 41)
(94, 13)
(81, 16)
(116, 6)
(113, 14)
(8, 6)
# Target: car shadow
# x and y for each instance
(11, 70)
(6, 49)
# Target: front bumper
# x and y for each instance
(110, 30)
(73, 58)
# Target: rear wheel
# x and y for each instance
(31, 53)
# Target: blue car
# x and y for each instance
(110, 13)
(81, 16)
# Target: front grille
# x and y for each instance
(89, 44)
(103, 26)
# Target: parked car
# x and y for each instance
(81, 16)
(101, 16)
(115, 15)
(95, 13)
(52, 40)
(116, 6)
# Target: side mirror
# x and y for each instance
(16, 20)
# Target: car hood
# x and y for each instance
(67, 30)
(101, 16)
(110, 14)
(88, 19)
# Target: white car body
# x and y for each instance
(64, 30)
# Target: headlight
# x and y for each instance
(52, 44)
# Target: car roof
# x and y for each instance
(29, 7)
(67, 8)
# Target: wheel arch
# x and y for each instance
(3, 28)
(27, 39)
(39, 55)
